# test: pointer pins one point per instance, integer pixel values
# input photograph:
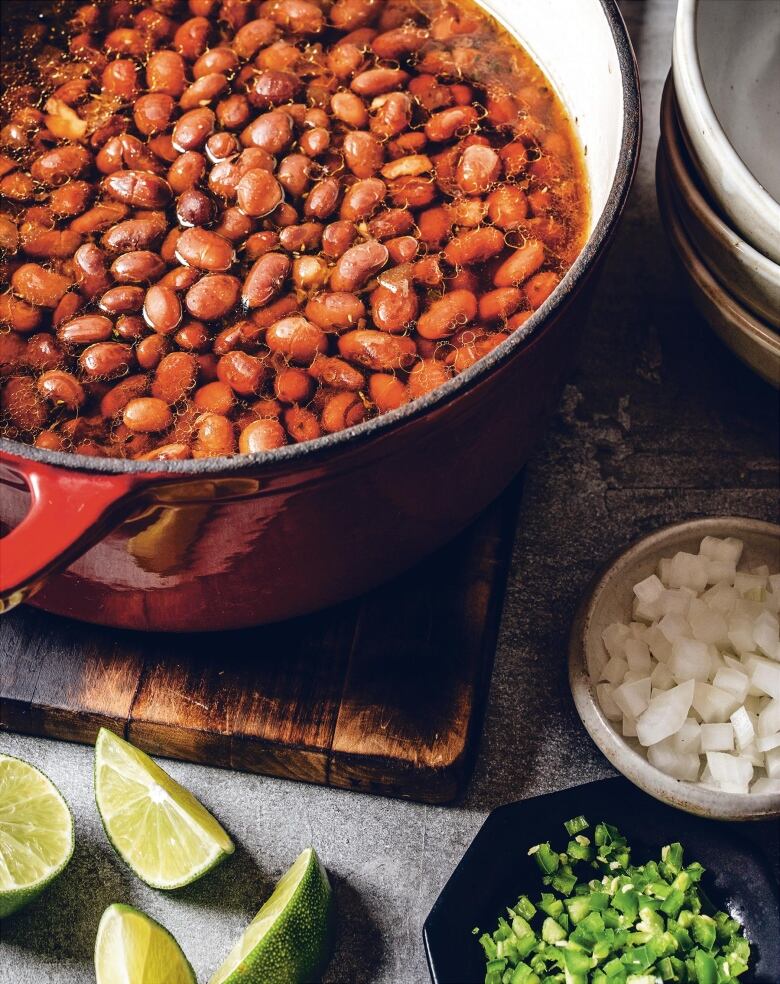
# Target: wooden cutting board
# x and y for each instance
(383, 694)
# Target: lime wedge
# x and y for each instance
(131, 948)
(156, 826)
(288, 941)
(36, 833)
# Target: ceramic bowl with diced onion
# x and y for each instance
(674, 665)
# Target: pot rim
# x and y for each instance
(308, 450)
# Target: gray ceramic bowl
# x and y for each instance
(609, 600)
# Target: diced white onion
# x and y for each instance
(693, 679)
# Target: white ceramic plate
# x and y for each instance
(749, 275)
(751, 339)
(609, 600)
(726, 65)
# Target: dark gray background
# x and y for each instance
(659, 424)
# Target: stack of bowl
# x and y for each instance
(718, 170)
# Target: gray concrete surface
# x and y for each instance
(659, 424)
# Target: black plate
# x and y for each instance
(741, 862)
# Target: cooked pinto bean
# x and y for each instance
(265, 279)
(358, 264)
(213, 296)
(307, 160)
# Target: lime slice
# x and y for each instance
(131, 948)
(156, 826)
(289, 939)
(36, 833)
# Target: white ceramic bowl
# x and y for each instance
(750, 338)
(610, 600)
(727, 81)
(749, 275)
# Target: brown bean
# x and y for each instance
(162, 309)
(337, 237)
(89, 263)
(507, 207)
(252, 37)
(147, 415)
(445, 124)
(363, 153)
(478, 168)
(39, 286)
(178, 451)
(427, 375)
(272, 88)
(18, 187)
(71, 199)
(13, 352)
(85, 330)
(47, 244)
(204, 250)
(342, 410)
(258, 192)
(387, 392)
(165, 72)
(216, 397)
(175, 377)
(301, 424)
(293, 173)
(261, 435)
(222, 60)
(336, 373)
(474, 246)
(358, 264)
(137, 266)
(41, 352)
(140, 189)
(376, 81)
(130, 327)
(450, 312)
(235, 225)
(350, 109)
(298, 238)
(296, 339)
(394, 308)
(213, 296)
(116, 399)
(296, 16)
(191, 37)
(62, 388)
(362, 199)
(391, 115)
(150, 350)
(106, 360)
(520, 265)
(322, 199)
(214, 436)
(500, 303)
(192, 130)
(265, 279)
(310, 272)
(539, 287)
(120, 79)
(122, 300)
(186, 171)
(337, 311)
(243, 373)
(377, 349)
(22, 402)
(205, 89)
(59, 165)
(152, 113)
(221, 146)
(100, 217)
(293, 386)
(273, 132)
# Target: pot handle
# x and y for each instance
(68, 514)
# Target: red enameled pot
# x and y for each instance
(224, 543)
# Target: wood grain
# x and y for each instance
(382, 694)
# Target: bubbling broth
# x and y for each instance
(228, 226)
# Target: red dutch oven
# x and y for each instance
(224, 543)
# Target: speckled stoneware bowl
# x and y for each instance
(755, 342)
(609, 600)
